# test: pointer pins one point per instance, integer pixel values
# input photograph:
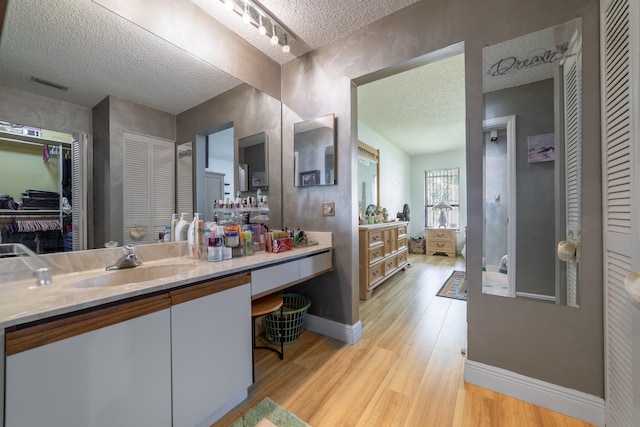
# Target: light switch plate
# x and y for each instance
(328, 208)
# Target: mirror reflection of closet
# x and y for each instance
(368, 179)
(42, 195)
(535, 78)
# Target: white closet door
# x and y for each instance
(79, 192)
(148, 187)
(620, 43)
(572, 78)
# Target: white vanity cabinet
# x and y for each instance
(272, 279)
(107, 367)
(210, 349)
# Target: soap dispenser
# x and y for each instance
(182, 227)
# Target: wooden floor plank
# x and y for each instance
(407, 370)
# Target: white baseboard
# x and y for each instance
(572, 403)
(350, 334)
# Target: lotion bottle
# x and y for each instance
(194, 236)
(182, 228)
(174, 222)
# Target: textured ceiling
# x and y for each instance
(79, 44)
(422, 110)
(314, 23)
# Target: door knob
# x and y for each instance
(632, 286)
(567, 251)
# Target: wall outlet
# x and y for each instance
(328, 208)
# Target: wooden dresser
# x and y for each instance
(441, 240)
(383, 252)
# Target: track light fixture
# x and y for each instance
(263, 21)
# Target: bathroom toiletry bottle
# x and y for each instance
(182, 228)
(174, 222)
(259, 197)
(194, 238)
(167, 234)
(248, 242)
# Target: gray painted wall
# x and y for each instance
(535, 203)
(251, 112)
(111, 118)
(555, 344)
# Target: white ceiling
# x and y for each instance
(314, 23)
(79, 44)
(422, 110)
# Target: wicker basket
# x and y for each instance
(417, 245)
(293, 310)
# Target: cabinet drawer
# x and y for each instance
(376, 237)
(272, 278)
(440, 247)
(314, 265)
(402, 258)
(440, 235)
(390, 265)
(376, 273)
(376, 254)
(402, 230)
(402, 243)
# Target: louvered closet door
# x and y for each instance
(79, 191)
(572, 88)
(620, 20)
(148, 188)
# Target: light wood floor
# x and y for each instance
(406, 371)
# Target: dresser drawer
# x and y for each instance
(376, 254)
(376, 237)
(440, 235)
(402, 258)
(437, 246)
(402, 243)
(376, 273)
(402, 230)
(390, 265)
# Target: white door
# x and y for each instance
(213, 190)
(620, 42)
(148, 187)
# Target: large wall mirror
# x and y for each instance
(29, 48)
(237, 149)
(368, 179)
(314, 152)
(532, 149)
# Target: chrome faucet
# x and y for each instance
(129, 259)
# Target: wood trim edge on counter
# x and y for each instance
(48, 332)
(178, 296)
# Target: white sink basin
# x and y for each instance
(133, 275)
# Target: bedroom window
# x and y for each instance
(442, 198)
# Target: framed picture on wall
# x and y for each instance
(310, 178)
(541, 148)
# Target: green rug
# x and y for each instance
(455, 286)
(269, 414)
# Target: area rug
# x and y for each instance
(455, 286)
(269, 414)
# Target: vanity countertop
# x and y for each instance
(21, 301)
